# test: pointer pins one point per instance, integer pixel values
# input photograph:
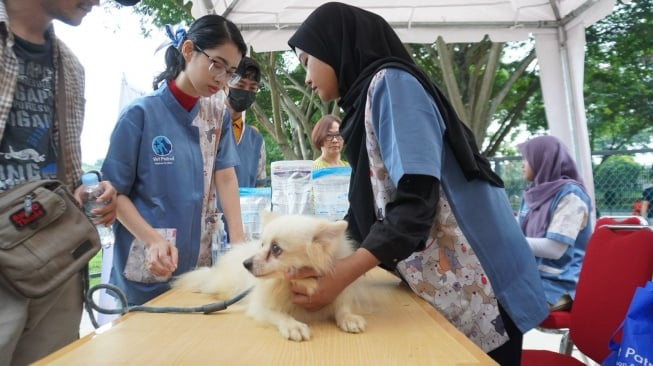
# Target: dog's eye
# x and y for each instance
(276, 249)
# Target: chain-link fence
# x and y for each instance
(619, 178)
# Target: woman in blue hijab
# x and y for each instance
(554, 216)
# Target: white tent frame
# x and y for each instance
(558, 27)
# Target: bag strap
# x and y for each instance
(59, 122)
(64, 161)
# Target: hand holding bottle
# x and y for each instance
(90, 198)
(105, 213)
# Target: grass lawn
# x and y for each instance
(95, 268)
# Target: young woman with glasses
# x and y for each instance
(326, 138)
(170, 152)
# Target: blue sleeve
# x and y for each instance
(227, 154)
(121, 162)
(407, 124)
(568, 214)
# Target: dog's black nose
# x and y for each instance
(248, 263)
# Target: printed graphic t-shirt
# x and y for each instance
(26, 151)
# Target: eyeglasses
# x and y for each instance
(218, 69)
(330, 137)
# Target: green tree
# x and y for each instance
(285, 108)
(618, 78)
(617, 182)
(618, 86)
(472, 75)
(158, 13)
(492, 94)
(482, 88)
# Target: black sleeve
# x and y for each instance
(407, 223)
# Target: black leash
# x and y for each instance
(124, 309)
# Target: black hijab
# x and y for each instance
(357, 44)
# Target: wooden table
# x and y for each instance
(402, 329)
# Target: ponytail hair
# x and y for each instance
(209, 31)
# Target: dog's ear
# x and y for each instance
(267, 216)
(326, 242)
(327, 231)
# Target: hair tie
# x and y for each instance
(177, 37)
(174, 38)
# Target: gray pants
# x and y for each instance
(30, 329)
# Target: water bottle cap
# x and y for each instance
(90, 179)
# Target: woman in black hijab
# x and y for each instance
(423, 201)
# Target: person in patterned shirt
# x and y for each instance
(35, 67)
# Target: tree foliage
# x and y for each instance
(480, 86)
(161, 12)
(617, 181)
(495, 95)
(618, 78)
(618, 85)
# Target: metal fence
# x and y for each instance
(619, 178)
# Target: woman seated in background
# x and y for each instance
(326, 138)
(554, 216)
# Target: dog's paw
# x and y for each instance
(295, 331)
(352, 323)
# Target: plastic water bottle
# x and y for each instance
(92, 191)
(219, 244)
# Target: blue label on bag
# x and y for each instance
(636, 358)
(20, 218)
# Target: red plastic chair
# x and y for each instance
(618, 259)
(558, 321)
(621, 220)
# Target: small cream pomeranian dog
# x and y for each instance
(288, 242)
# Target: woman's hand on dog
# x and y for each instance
(345, 271)
(327, 289)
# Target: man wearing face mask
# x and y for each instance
(249, 142)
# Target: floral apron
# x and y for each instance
(209, 123)
(446, 273)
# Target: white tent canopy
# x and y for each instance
(558, 27)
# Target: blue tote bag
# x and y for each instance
(636, 347)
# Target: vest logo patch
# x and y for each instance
(162, 148)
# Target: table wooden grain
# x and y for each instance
(402, 329)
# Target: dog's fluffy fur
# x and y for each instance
(288, 242)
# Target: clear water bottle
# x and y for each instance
(219, 244)
(92, 191)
